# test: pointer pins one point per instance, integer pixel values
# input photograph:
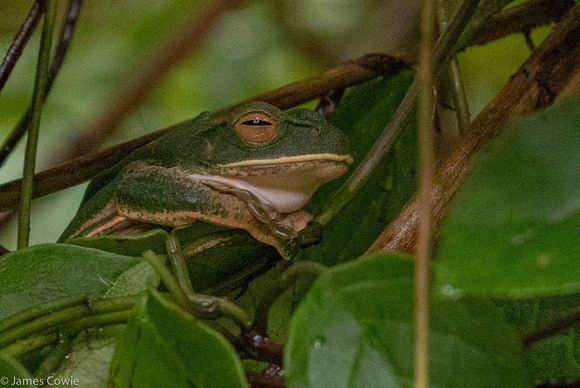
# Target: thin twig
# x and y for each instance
(83, 168)
(79, 170)
(459, 98)
(387, 137)
(485, 10)
(536, 84)
(457, 89)
(66, 35)
(20, 40)
(518, 19)
(144, 78)
(557, 326)
(31, 144)
(252, 345)
(425, 78)
(441, 51)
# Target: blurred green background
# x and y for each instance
(259, 46)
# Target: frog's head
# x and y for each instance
(280, 157)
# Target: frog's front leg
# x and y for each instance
(144, 195)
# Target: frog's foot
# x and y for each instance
(283, 226)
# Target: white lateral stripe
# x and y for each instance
(283, 201)
(291, 159)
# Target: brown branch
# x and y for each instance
(350, 73)
(536, 84)
(519, 19)
(347, 74)
(143, 81)
(83, 168)
(144, 78)
(20, 40)
(253, 346)
(270, 378)
(573, 86)
(558, 325)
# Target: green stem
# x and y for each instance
(114, 317)
(38, 311)
(177, 260)
(236, 314)
(32, 142)
(166, 278)
(287, 279)
(21, 345)
(42, 323)
(45, 318)
(355, 181)
(441, 52)
(460, 98)
(425, 78)
(486, 10)
(29, 344)
(58, 306)
(55, 358)
(458, 91)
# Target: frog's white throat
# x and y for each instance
(283, 197)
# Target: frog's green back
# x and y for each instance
(212, 167)
(191, 128)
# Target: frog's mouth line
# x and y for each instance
(291, 159)
(283, 185)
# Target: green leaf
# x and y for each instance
(90, 357)
(363, 114)
(47, 272)
(13, 373)
(128, 245)
(557, 356)
(514, 228)
(222, 259)
(226, 253)
(163, 346)
(355, 328)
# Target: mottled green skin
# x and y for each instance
(152, 178)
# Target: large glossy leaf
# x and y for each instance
(163, 346)
(363, 114)
(355, 328)
(514, 230)
(48, 272)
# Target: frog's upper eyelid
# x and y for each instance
(302, 117)
(259, 122)
(301, 123)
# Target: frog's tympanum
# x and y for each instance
(252, 169)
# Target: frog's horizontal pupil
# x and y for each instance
(256, 122)
(257, 127)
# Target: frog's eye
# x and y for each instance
(256, 127)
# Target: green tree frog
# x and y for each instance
(253, 168)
